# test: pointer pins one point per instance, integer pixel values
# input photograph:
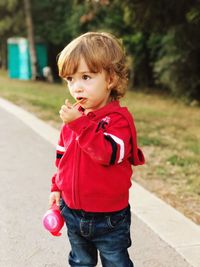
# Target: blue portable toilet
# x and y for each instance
(19, 65)
(18, 59)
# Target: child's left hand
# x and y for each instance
(68, 112)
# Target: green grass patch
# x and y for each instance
(161, 171)
(192, 144)
(181, 161)
(149, 141)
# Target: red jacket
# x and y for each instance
(94, 157)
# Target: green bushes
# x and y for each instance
(177, 68)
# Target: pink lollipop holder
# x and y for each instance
(53, 220)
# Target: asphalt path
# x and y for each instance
(27, 164)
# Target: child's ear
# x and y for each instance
(112, 81)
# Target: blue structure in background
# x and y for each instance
(19, 65)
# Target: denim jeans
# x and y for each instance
(108, 233)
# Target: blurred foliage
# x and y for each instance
(178, 66)
(162, 38)
(11, 20)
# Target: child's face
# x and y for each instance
(93, 88)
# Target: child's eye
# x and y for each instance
(86, 77)
(69, 79)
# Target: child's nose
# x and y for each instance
(78, 88)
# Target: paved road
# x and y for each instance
(26, 168)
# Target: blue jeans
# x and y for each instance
(89, 232)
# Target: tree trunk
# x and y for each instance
(3, 53)
(31, 38)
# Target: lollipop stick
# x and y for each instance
(77, 102)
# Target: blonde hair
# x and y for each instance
(100, 51)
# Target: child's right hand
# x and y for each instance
(69, 112)
(54, 198)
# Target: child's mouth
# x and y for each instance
(80, 100)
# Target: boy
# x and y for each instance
(96, 149)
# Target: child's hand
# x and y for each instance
(54, 197)
(69, 112)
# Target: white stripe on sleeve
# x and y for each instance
(120, 142)
(60, 148)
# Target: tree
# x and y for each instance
(10, 24)
(31, 38)
(176, 24)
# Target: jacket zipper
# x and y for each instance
(75, 176)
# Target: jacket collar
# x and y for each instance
(109, 108)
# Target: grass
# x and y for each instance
(168, 132)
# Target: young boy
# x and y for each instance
(96, 149)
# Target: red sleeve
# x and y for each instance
(106, 145)
(60, 150)
(53, 184)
